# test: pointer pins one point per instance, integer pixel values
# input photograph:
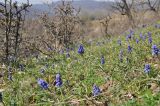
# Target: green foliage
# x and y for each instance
(82, 71)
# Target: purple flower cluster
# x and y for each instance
(119, 42)
(81, 49)
(150, 40)
(141, 36)
(157, 26)
(96, 90)
(58, 82)
(67, 55)
(21, 67)
(42, 70)
(43, 84)
(137, 40)
(155, 50)
(147, 68)
(102, 60)
(129, 49)
(129, 36)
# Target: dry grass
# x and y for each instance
(119, 24)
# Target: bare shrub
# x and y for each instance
(125, 8)
(12, 17)
(61, 29)
(105, 24)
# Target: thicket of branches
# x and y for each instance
(12, 17)
(129, 7)
(62, 29)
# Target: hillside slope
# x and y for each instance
(126, 70)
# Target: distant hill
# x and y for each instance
(85, 5)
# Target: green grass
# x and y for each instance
(84, 71)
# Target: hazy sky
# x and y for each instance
(43, 1)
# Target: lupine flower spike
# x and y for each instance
(96, 90)
(102, 60)
(147, 68)
(46, 65)
(81, 49)
(155, 50)
(67, 55)
(43, 84)
(141, 35)
(149, 34)
(21, 67)
(150, 39)
(58, 82)
(119, 42)
(137, 41)
(42, 70)
(129, 49)
(129, 36)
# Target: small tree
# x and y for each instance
(63, 26)
(12, 18)
(153, 5)
(105, 24)
(125, 8)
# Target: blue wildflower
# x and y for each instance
(150, 40)
(61, 51)
(119, 42)
(131, 32)
(46, 65)
(49, 49)
(42, 71)
(72, 49)
(157, 26)
(129, 49)
(21, 67)
(96, 90)
(149, 34)
(155, 50)
(147, 68)
(102, 60)
(141, 35)
(81, 49)
(137, 40)
(58, 82)
(10, 76)
(129, 36)
(43, 84)
(67, 55)
(67, 49)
